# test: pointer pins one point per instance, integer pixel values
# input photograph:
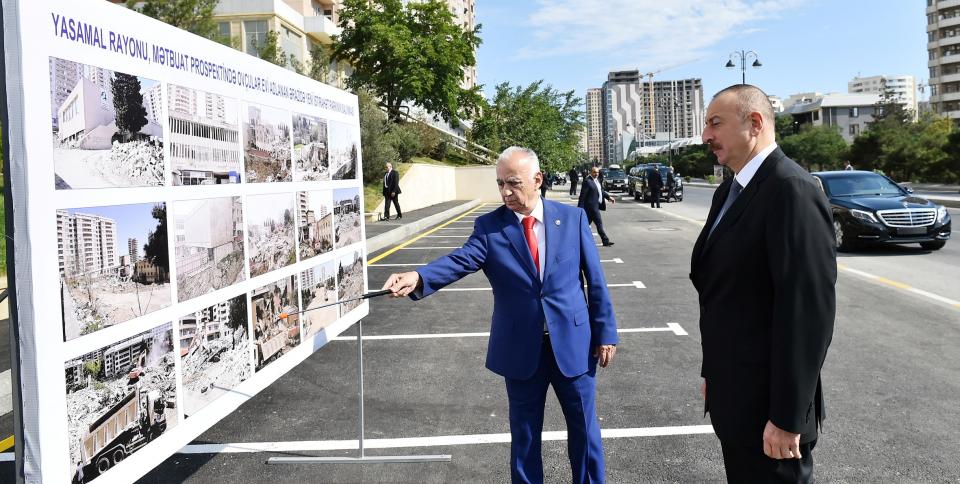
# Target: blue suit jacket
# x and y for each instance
(577, 320)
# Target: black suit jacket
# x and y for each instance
(654, 181)
(589, 197)
(574, 176)
(392, 183)
(766, 280)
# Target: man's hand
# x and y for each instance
(780, 444)
(611, 200)
(604, 353)
(402, 284)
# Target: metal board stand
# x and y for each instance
(362, 458)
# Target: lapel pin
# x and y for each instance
(557, 222)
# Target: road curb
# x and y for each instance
(703, 185)
(405, 231)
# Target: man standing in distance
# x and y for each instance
(546, 329)
(574, 176)
(391, 192)
(592, 200)
(765, 268)
(655, 185)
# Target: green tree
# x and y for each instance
(270, 50)
(409, 53)
(238, 313)
(155, 250)
(194, 16)
(536, 117)
(816, 147)
(93, 367)
(950, 166)
(784, 126)
(319, 65)
(374, 127)
(128, 103)
(866, 152)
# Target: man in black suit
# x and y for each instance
(765, 269)
(655, 184)
(574, 178)
(592, 200)
(391, 192)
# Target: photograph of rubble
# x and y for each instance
(267, 144)
(315, 222)
(344, 140)
(275, 336)
(346, 216)
(208, 247)
(270, 231)
(114, 265)
(120, 398)
(318, 287)
(310, 148)
(107, 127)
(214, 352)
(350, 280)
(204, 137)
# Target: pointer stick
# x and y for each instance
(365, 296)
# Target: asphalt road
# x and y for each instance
(892, 378)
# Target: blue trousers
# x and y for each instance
(577, 399)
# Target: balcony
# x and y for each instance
(947, 97)
(947, 22)
(320, 27)
(942, 4)
(944, 41)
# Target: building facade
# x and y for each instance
(849, 113)
(943, 56)
(635, 111)
(903, 89)
(205, 236)
(204, 137)
(134, 250)
(594, 121)
(86, 244)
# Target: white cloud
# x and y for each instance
(655, 33)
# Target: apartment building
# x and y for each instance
(86, 244)
(594, 121)
(902, 88)
(943, 56)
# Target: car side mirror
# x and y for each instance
(909, 190)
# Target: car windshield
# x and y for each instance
(615, 175)
(867, 184)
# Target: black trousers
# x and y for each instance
(748, 464)
(573, 187)
(593, 217)
(386, 205)
(655, 199)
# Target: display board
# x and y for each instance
(171, 198)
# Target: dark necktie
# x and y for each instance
(731, 197)
(531, 237)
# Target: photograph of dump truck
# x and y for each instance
(119, 398)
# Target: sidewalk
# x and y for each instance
(385, 233)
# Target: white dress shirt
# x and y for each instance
(599, 189)
(539, 232)
(750, 169)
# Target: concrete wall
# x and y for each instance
(425, 185)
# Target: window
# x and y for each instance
(933, 72)
(931, 36)
(855, 112)
(292, 44)
(854, 129)
(255, 32)
(224, 28)
(816, 115)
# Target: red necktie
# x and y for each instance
(531, 237)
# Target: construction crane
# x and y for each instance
(653, 126)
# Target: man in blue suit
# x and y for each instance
(547, 329)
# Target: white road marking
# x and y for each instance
(681, 217)
(616, 260)
(899, 285)
(437, 441)
(671, 327)
(6, 393)
(636, 284)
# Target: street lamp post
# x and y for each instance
(743, 56)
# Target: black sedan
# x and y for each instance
(871, 209)
(615, 180)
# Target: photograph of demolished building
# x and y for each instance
(346, 216)
(119, 398)
(204, 137)
(107, 127)
(310, 148)
(214, 352)
(99, 285)
(270, 232)
(275, 336)
(350, 280)
(315, 222)
(344, 148)
(208, 245)
(318, 287)
(267, 144)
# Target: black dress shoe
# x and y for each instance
(608, 244)
(399, 217)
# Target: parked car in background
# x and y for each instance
(869, 208)
(615, 179)
(633, 177)
(667, 193)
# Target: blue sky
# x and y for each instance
(804, 45)
(133, 222)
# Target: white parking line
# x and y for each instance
(616, 260)
(436, 441)
(636, 284)
(899, 285)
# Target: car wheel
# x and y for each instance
(933, 245)
(843, 242)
